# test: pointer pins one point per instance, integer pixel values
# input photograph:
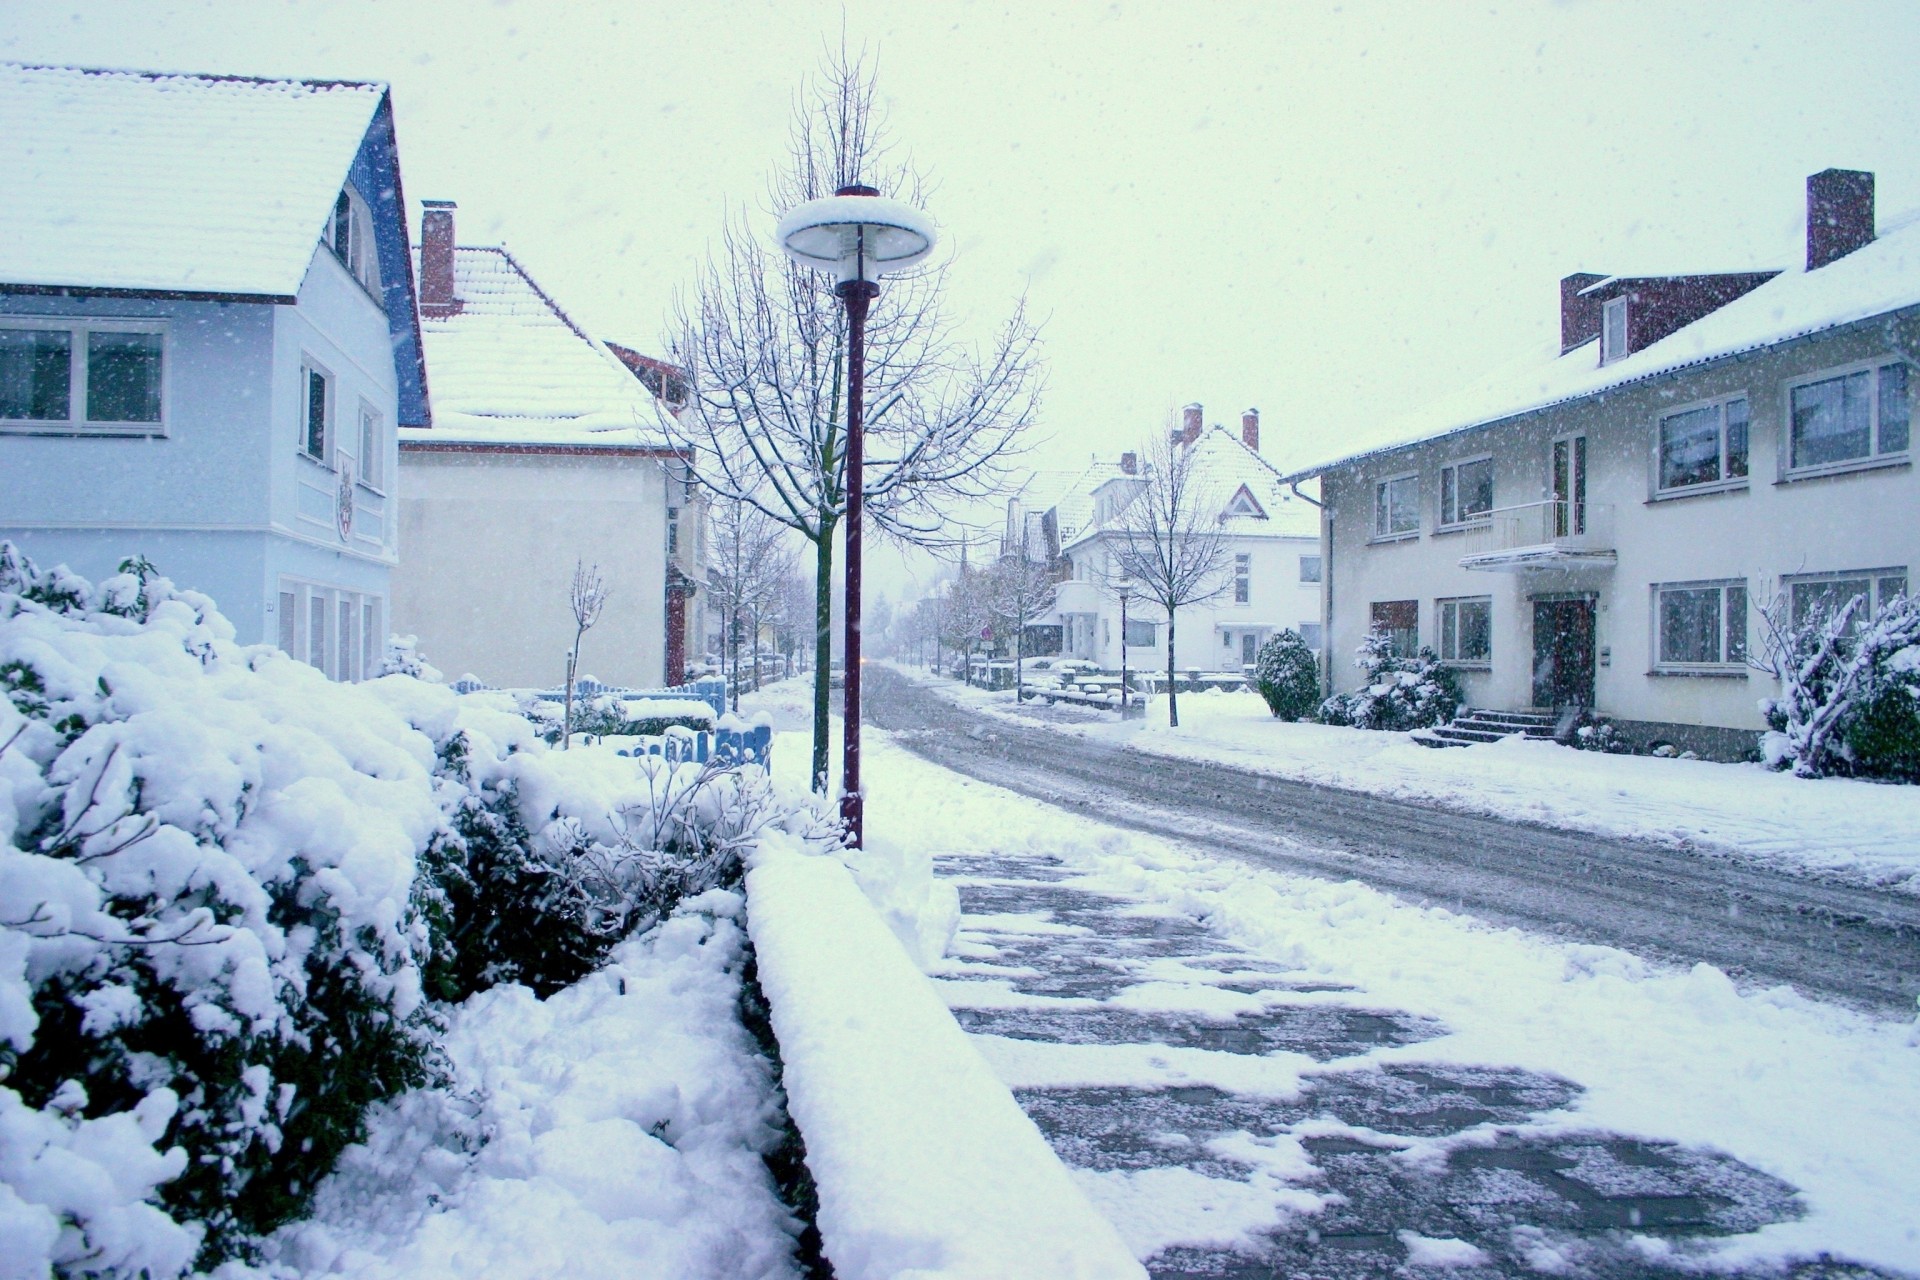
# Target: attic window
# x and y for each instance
(1613, 330)
(349, 233)
(1244, 504)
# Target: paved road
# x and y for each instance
(1832, 941)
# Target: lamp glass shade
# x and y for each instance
(857, 237)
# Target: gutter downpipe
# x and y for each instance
(1326, 585)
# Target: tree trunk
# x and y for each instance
(566, 723)
(1019, 652)
(822, 652)
(1173, 692)
(756, 651)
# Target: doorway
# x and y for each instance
(1249, 648)
(1568, 473)
(1563, 651)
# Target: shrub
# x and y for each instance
(1399, 693)
(1287, 675)
(1850, 691)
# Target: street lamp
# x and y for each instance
(859, 237)
(1125, 588)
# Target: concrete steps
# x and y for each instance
(1481, 725)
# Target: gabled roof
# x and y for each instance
(1225, 469)
(196, 185)
(1874, 280)
(512, 369)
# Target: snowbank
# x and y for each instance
(623, 1122)
(926, 1166)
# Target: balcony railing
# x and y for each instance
(1541, 534)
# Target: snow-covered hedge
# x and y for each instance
(1398, 692)
(226, 887)
(1850, 691)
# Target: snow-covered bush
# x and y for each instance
(1850, 691)
(403, 658)
(609, 716)
(207, 959)
(1287, 675)
(1590, 733)
(1399, 692)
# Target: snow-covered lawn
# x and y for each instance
(614, 1129)
(1862, 832)
(1826, 1099)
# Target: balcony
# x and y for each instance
(1542, 535)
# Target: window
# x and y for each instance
(1815, 596)
(316, 389)
(82, 375)
(337, 631)
(1466, 491)
(1396, 507)
(1613, 329)
(1704, 445)
(1310, 632)
(673, 531)
(1139, 634)
(1466, 630)
(1400, 619)
(1700, 624)
(1242, 579)
(349, 233)
(289, 622)
(1309, 568)
(372, 448)
(1855, 417)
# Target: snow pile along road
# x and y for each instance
(926, 1166)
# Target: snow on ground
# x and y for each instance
(612, 1130)
(1824, 1098)
(1861, 832)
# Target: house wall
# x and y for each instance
(1757, 533)
(488, 543)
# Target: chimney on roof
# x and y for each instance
(1189, 424)
(1579, 317)
(437, 298)
(1250, 429)
(1839, 215)
(1130, 463)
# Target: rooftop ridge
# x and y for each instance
(200, 77)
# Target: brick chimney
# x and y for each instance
(437, 298)
(1579, 317)
(1250, 429)
(1839, 215)
(1130, 463)
(1190, 424)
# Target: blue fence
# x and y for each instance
(722, 746)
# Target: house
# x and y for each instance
(1601, 526)
(546, 450)
(1270, 581)
(207, 340)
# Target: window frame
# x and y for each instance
(1451, 471)
(1319, 569)
(1152, 631)
(361, 254)
(1723, 458)
(1383, 505)
(371, 464)
(1449, 607)
(329, 427)
(321, 612)
(1374, 623)
(1876, 580)
(1728, 662)
(1243, 577)
(1612, 350)
(1875, 456)
(77, 329)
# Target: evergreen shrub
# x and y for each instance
(1399, 692)
(1287, 674)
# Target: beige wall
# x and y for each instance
(1762, 532)
(488, 543)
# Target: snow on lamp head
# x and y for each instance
(856, 234)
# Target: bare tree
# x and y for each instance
(587, 597)
(764, 343)
(1019, 589)
(750, 562)
(1170, 541)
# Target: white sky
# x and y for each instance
(1330, 212)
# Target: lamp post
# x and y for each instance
(1125, 588)
(859, 237)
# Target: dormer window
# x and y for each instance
(1613, 329)
(1244, 504)
(349, 233)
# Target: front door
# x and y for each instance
(1563, 652)
(1249, 648)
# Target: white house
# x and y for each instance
(1600, 527)
(545, 450)
(1269, 582)
(207, 338)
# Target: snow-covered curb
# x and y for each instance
(925, 1164)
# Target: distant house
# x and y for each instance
(1270, 581)
(207, 338)
(1599, 527)
(545, 450)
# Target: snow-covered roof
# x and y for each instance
(1224, 468)
(1878, 278)
(511, 368)
(178, 183)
